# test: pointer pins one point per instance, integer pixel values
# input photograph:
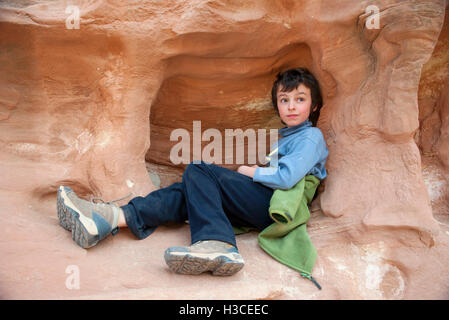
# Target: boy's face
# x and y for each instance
(294, 106)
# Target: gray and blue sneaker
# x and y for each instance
(89, 222)
(221, 258)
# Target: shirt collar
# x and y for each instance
(286, 131)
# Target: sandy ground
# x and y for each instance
(40, 260)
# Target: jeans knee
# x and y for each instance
(195, 165)
(193, 168)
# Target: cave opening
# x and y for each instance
(222, 93)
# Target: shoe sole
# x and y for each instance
(69, 219)
(64, 212)
(194, 264)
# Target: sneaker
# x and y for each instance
(221, 258)
(89, 222)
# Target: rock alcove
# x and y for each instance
(93, 108)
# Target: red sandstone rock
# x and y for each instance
(442, 145)
(432, 98)
(86, 107)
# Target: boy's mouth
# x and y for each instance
(292, 115)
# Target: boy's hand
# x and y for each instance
(247, 171)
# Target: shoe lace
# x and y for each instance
(99, 200)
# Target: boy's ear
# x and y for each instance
(314, 109)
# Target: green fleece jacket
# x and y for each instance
(286, 239)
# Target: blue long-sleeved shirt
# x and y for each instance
(301, 151)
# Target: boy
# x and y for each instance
(212, 198)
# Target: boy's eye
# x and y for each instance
(283, 100)
(300, 99)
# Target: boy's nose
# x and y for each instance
(291, 105)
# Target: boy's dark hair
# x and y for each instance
(290, 80)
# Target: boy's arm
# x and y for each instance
(292, 167)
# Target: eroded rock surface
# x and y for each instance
(89, 107)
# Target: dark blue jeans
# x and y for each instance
(211, 197)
